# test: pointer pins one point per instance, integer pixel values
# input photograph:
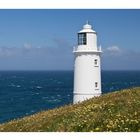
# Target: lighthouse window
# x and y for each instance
(96, 84)
(95, 61)
(82, 39)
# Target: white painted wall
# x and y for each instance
(92, 40)
(86, 73)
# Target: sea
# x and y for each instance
(23, 93)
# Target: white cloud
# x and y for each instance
(27, 46)
(26, 49)
(113, 50)
(55, 56)
(116, 58)
(7, 51)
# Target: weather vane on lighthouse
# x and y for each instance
(87, 69)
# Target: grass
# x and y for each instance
(117, 111)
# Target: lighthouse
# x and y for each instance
(87, 65)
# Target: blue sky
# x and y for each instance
(44, 39)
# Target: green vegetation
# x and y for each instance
(117, 111)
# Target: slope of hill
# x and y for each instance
(116, 111)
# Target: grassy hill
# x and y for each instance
(116, 111)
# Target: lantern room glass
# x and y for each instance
(82, 39)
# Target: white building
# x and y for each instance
(87, 70)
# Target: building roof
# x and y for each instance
(87, 28)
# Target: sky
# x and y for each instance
(44, 39)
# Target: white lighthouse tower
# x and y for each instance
(87, 70)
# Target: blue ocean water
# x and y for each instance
(26, 92)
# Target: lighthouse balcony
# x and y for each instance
(86, 49)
